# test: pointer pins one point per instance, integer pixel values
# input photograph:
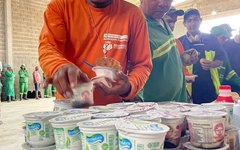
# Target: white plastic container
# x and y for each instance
(144, 117)
(39, 132)
(66, 131)
(62, 105)
(110, 115)
(80, 111)
(229, 110)
(174, 121)
(140, 108)
(101, 80)
(102, 108)
(27, 146)
(99, 134)
(236, 115)
(207, 129)
(231, 138)
(141, 135)
(83, 94)
(120, 105)
(107, 72)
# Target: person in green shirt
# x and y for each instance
(54, 90)
(46, 89)
(23, 82)
(166, 81)
(9, 78)
(226, 73)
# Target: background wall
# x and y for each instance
(27, 21)
(2, 39)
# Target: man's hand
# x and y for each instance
(206, 64)
(119, 87)
(66, 78)
(189, 57)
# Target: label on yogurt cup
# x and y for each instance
(38, 131)
(67, 138)
(103, 140)
(126, 143)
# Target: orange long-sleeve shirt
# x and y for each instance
(69, 36)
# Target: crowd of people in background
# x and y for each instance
(161, 67)
(7, 82)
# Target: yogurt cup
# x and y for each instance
(177, 107)
(102, 108)
(137, 134)
(140, 108)
(83, 94)
(110, 115)
(175, 123)
(189, 146)
(61, 105)
(27, 146)
(209, 107)
(229, 110)
(206, 128)
(103, 80)
(102, 71)
(144, 117)
(39, 132)
(80, 111)
(120, 105)
(99, 134)
(231, 137)
(66, 131)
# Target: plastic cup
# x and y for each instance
(83, 95)
(39, 132)
(231, 137)
(99, 134)
(207, 129)
(66, 131)
(107, 72)
(175, 124)
(137, 134)
(62, 105)
(101, 80)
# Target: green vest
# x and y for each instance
(214, 73)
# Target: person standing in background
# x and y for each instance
(232, 47)
(1, 80)
(54, 90)
(205, 87)
(227, 74)
(36, 81)
(171, 17)
(23, 81)
(166, 81)
(9, 78)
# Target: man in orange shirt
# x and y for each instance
(79, 30)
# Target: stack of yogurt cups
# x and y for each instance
(129, 126)
(39, 132)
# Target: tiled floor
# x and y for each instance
(11, 132)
